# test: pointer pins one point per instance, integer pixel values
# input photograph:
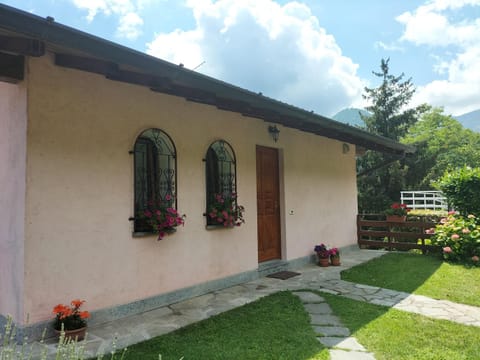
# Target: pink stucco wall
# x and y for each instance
(13, 123)
(80, 192)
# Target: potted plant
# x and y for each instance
(323, 254)
(397, 212)
(162, 216)
(71, 320)
(224, 210)
(335, 256)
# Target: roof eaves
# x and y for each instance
(29, 25)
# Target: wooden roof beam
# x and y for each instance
(22, 46)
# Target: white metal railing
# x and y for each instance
(428, 200)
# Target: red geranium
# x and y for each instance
(70, 316)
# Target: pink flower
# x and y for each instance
(447, 249)
(148, 213)
(168, 197)
(225, 214)
(475, 258)
(451, 212)
(455, 237)
(430, 231)
(161, 235)
(465, 231)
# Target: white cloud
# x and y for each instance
(443, 26)
(130, 22)
(130, 26)
(388, 47)
(281, 51)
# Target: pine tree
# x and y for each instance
(383, 175)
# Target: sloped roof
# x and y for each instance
(29, 35)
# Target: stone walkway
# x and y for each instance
(330, 330)
(150, 324)
(418, 304)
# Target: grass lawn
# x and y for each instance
(420, 274)
(396, 335)
(274, 327)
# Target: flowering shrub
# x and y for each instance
(334, 252)
(459, 238)
(225, 211)
(397, 209)
(162, 216)
(322, 251)
(70, 316)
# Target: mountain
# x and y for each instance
(470, 120)
(350, 116)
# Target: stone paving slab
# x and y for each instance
(332, 320)
(350, 355)
(331, 330)
(309, 297)
(317, 309)
(345, 343)
(332, 334)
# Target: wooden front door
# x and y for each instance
(268, 204)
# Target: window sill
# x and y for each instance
(218, 227)
(143, 234)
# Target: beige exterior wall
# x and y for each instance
(13, 129)
(80, 192)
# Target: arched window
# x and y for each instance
(221, 183)
(155, 174)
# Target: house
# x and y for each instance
(90, 131)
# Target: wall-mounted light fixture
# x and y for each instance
(274, 132)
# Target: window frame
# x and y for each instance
(169, 172)
(209, 192)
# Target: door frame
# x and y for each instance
(281, 202)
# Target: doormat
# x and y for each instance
(283, 275)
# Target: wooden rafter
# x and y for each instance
(22, 46)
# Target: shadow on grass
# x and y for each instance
(397, 271)
(396, 335)
(274, 327)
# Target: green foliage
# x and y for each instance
(398, 335)
(380, 185)
(460, 238)
(426, 275)
(441, 143)
(462, 189)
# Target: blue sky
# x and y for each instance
(315, 54)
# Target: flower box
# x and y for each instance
(396, 218)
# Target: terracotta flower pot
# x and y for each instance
(335, 260)
(323, 262)
(77, 334)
